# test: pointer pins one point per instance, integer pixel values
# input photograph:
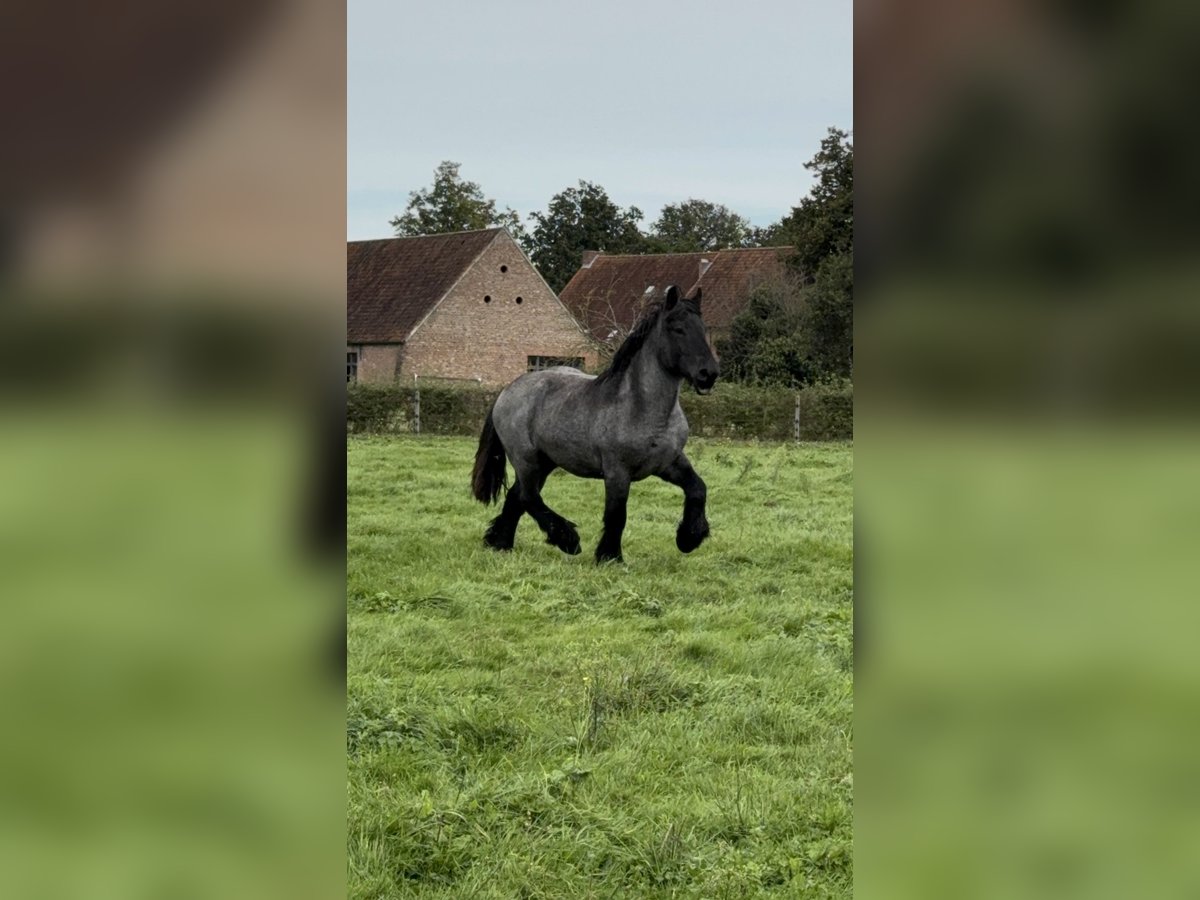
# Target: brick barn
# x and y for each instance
(465, 305)
(609, 291)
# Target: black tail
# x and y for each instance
(488, 476)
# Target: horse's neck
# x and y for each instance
(656, 390)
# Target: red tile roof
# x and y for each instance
(612, 291)
(392, 284)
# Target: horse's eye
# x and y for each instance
(676, 329)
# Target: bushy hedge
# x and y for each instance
(732, 410)
(749, 412)
(391, 408)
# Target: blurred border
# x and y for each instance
(171, 398)
(1026, 448)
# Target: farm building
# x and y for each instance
(464, 305)
(608, 292)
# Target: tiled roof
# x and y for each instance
(611, 292)
(391, 284)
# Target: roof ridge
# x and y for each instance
(607, 255)
(424, 237)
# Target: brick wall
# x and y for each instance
(378, 362)
(468, 337)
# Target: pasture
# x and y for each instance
(528, 724)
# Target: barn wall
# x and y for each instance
(379, 363)
(466, 337)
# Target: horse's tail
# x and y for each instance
(488, 476)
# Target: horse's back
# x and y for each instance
(542, 412)
(541, 385)
(548, 392)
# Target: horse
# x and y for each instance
(622, 426)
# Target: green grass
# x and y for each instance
(528, 724)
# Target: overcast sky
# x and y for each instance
(656, 101)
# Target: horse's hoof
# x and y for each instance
(691, 535)
(565, 539)
(603, 556)
(498, 541)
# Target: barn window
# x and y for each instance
(352, 365)
(537, 363)
(504, 268)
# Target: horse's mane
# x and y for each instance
(632, 344)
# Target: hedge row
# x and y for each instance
(769, 414)
(392, 408)
(731, 411)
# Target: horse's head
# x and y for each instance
(684, 348)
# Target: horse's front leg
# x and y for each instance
(693, 527)
(616, 496)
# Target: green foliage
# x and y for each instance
(452, 204)
(753, 412)
(741, 411)
(577, 219)
(767, 236)
(697, 225)
(791, 334)
(392, 408)
(449, 409)
(822, 225)
(802, 330)
(827, 318)
(378, 408)
(528, 724)
(767, 343)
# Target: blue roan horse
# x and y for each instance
(622, 426)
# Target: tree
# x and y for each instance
(577, 219)
(452, 205)
(803, 331)
(766, 339)
(792, 333)
(822, 225)
(827, 320)
(767, 236)
(697, 225)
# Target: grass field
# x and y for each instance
(528, 724)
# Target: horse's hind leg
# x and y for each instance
(693, 527)
(560, 532)
(503, 529)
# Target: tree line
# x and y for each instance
(795, 332)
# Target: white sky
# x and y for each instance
(656, 101)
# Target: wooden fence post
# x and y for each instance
(797, 418)
(416, 405)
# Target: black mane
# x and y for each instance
(631, 345)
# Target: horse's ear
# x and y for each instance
(695, 298)
(672, 296)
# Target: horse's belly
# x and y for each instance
(578, 459)
(651, 457)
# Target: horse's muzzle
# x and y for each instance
(704, 380)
